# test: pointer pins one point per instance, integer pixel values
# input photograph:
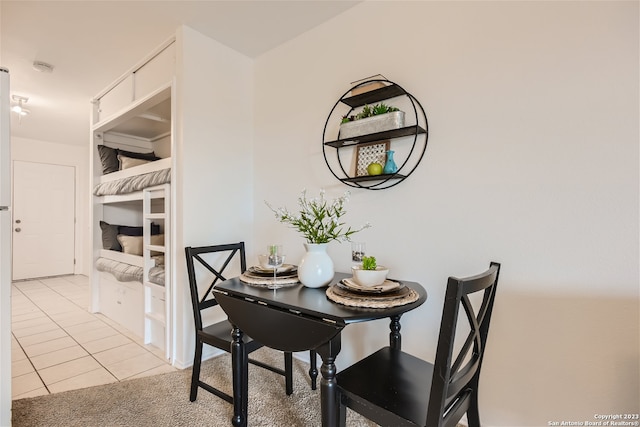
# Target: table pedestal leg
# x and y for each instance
(329, 403)
(240, 363)
(395, 339)
(313, 368)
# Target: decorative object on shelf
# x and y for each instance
(370, 111)
(316, 267)
(374, 169)
(319, 222)
(390, 167)
(375, 152)
(368, 83)
(378, 118)
(414, 130)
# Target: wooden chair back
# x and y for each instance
(196, 257)
(456, 376)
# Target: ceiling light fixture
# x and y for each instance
(19, 108)
(43, 67)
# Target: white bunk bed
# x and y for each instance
(132, 285)
(132, 282)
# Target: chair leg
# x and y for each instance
(473, 413)
(288, 372)
(313, 369)
(195, 373)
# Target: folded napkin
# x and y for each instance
(387, 285)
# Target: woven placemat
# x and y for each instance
(369, 301)
(268, 282)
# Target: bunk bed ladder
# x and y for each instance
(157, 305)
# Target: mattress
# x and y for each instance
(133, 183)
(124, 272)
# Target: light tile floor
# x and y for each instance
(57, 345)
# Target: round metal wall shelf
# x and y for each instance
(409, 142)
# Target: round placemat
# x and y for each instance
(369, 301)
(268, 282)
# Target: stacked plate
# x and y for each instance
(287, 275)
(390, 289)
(388, 294)
(286, 270)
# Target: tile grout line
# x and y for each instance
(74, 339)
(70, 336)
(27, 356)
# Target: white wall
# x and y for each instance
(32, 150)
(532, 161)
(214, 199)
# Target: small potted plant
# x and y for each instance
(369, 273)
(372, 119)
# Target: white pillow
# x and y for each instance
(133, 244)
(130, 244)
(129, 162)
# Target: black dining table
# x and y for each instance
(298, 318)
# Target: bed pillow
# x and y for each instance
(157, 240)
(133, 244)
(137, 231)
(109, 159)
(110, 237)
(130, 162)
(144, 156)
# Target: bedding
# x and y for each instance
(133, 183)
(111, 163)
(110, 234)
(124, 272)
(133, 244)
(129, 162)
(109, 237)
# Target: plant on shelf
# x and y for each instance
(370, 111)
(369, 263)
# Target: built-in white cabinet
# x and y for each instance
(136, 115)
(192, 93)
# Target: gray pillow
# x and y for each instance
(109, 157)
(110, 237)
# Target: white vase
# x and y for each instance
(316, 268)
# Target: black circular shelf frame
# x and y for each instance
(419, 131)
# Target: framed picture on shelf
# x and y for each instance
(373, 152)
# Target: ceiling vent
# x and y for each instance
(43, 67)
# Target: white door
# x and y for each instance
(43, 220)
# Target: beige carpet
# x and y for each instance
(163, 400)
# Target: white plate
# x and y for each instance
(282, 269)
(386, 286)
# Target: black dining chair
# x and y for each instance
(394, 388)
(219, 334)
